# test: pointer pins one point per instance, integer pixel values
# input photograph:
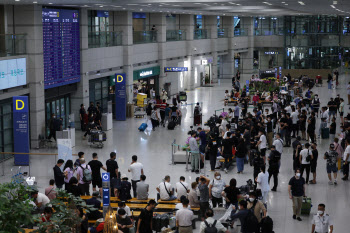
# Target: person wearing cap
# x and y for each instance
(124, 222)
(304, 159)
(125, 188)
(95, 214)
(321, 222)
(331, 156)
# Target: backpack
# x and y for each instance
(308, 157)
(87, 176)
(196, 110)
(216, 132)
(124, 193)
(210, 228)
(266, 225)
(251, 223)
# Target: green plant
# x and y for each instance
(15, 207)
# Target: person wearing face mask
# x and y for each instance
(124, 221)
(216, 186)
(296, 190)
(256, 206)
(321, 222)
(316, 104)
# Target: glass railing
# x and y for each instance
(105, 39)
(201, 34)
(175, 35)
(142, 37)
(222, 33)
(269, 32)
(12, 44)
(241, 32)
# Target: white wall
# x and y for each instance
(103, 58)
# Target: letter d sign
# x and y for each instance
(18, 103)
(119, 78)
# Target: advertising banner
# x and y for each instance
(64, 148)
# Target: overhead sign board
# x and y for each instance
(175, 69)
(12, 73)
(271, 53)
(204, 62)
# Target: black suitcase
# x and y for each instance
(171, 125)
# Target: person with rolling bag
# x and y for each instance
(197, 115)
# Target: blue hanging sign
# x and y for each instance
(105, 188)
(120, 97)
(21, 129)
(247, 86)
(175, 69)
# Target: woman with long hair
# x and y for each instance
(68, 171)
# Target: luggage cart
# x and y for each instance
(182, 96)
(96, 138)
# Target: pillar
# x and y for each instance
(187, 22)
(211, 25)
(247, 58)
(229, 64)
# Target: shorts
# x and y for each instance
(97, 182)
(313, 167)
(341, 114)
(333, 168)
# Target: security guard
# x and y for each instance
(321, 221)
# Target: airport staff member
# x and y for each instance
(321, 221)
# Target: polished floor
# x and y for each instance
(154, 148)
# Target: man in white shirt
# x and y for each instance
(40, 199)
(295, 119)
(209, 214)
(346, 158)
(288, 109)
(184, 218)
(182, 188)
(324, 120)
(305, 157)
(321, 221)
(165, 190)
(136, 170)
(278, 143)
(262, 144)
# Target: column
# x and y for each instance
(187, 22)
(229, 63)
(247, 58)
(211, 25)
(81, 96)
(123, 23)
(28, 20)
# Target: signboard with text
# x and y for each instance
(105, 188)
(12, 73)
(21, 129)
(175, 69)
(120, 97)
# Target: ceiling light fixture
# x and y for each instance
(335, 2)
(35, 2)
(332, 6)
(17, 0)
(301, 3)
(101, 6)
(50, 3)
(132, 4)
(267, 3)
(238, 4)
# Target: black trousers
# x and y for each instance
(162, 116)
(82, 125)
(312, 136)
(216, 201)
(52, 134)
(133, 183)
(307, 168)
(203, 208)
(228, 160)
(85, 189)
(275, 179)
(288, 137)
(212, 158)
(236, 119)
(346, 170)
(295, 130)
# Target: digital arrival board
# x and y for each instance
(61, 40)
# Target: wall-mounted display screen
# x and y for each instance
(12, 73)
(61, 47)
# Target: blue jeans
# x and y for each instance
(330, 84)
(240, 164)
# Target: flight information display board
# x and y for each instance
(61, 41)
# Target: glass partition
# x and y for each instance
(201, 34)
(175, 35)
(141, 37)
(222, 33)
(12, 44)
(104, 39)
(269, 31)
(241, 32)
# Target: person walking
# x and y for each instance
(324, 120)
(184, 218)
(274, 165)
(256, 206)
(296, 190)
(321, 222)
(154, 118)
(136, 170)
(262, 144)
(249, 223)
(84, 177)
(144, 224)
(226, 150)
(263, 183)
(346, 159)
(203, 188)
(331, 156)
(311, 127)
(96, 166)
(58, 174)
(305, 159)
(313, 163)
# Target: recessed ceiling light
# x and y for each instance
(149, 4)
(17, 0)
(141, 10)
(238, 4)
(301, 3)
(35, 2)
(50, 3)
(332, 6)
(101, 6)
(132, 4)
(335, 2)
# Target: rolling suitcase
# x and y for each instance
(325, 133)
(171, 125)
(306, 205)
(143, 127)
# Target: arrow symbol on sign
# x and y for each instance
(105, 176)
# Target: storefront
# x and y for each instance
(202, 71)
(146, 80)
(100, 90)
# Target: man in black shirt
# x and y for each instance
(144, 224)
(213, 151)
(269, 131)
(296, 189)
(96, 214)
(311, 127)
(313, 162)
(82, 116)
(332, 105)
(92, 109)
(227, 150)
(112, 168)
(124, 221)
(274, 165)
(58, 174)
(95, 166)
(288, 130)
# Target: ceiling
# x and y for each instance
(207, 7)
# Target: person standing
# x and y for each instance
(236, 112)
(256, 206)
(324, 120)
(313, 162)
(226, 151)
(193, 144)
(184, 218)
(204, 195)
(274, 165)
(112, 168)
(348, 91)
(154, 118)
(162, 112)
(316, 104)
(289, 126)
(144, 224)
(331, 156)
(216, 186)
(68, 173)
(296, 190)
(84, 181)
(263, 183)
(83, 117)
(231, 194)
(305, 159)
(332, 107)
(182, 188)
(269, 131)
(341, 111)
(278, 143)
(243, 215)
(311, 127)
(321, 222)
(213, 151)
(262, 144)
(136, 170)
(295, 119)
(58, 174)
(96, 166)
(240, 155)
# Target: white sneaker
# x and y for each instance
(330, 182)
(335, 182)
(225, 170)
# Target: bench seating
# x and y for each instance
(130, 205)
(116, 199)
(168, 202)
